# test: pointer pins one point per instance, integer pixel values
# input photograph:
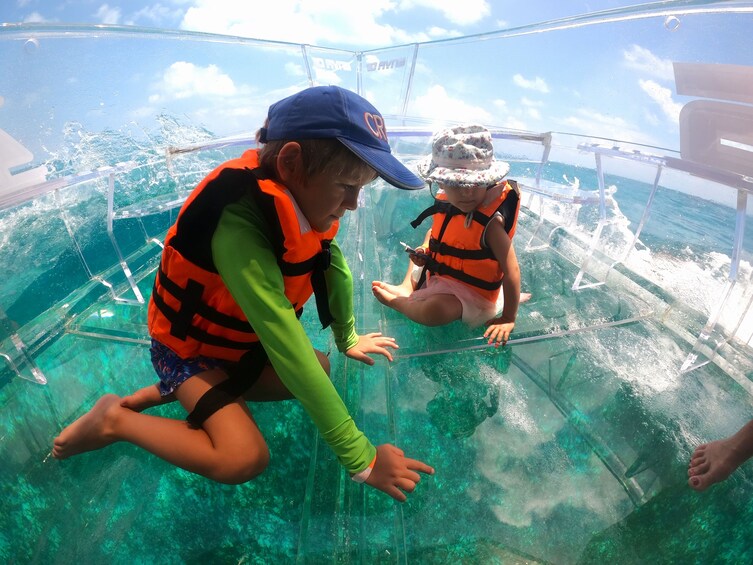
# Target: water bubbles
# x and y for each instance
(31, 46)
(671, 23)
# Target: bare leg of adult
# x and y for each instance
(715, 461)
(229, 447)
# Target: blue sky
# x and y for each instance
(612, 80)
(336, 23)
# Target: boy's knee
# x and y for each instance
(243, 468)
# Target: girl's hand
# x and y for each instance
(498, 332)
(371, 343)
(396, 474)
(418, 257)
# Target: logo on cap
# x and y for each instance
(375, 123)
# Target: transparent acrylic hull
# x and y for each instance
(568, 445)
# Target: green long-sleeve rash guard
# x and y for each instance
(245, 260)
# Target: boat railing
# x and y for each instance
(706, 346)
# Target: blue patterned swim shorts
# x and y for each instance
(173, 371)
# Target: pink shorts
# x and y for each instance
(477, 310)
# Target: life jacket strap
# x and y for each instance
(191, 303)
(181, 325)
(319, 284)
(435, 267)
(446, 249)
(241, 377)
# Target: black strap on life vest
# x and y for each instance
(316, 265)
(181, 325)
(319, 284)
(241, 377)
(509, 208)
(435, 267)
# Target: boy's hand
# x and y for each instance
(498, 332)
(371, 343)
(396, 474)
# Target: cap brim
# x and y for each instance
(386, 165)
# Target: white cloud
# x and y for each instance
(294, 70)
(459, 13)
(642, 60)
(538, 83)
(325, 22)
(35, 18)
(590, 122)
(437, 104)
(108, 15)
(155, 15)
(185, 80)
(436, 32)
(663, 97)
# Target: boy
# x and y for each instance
(468, 253)
(251, 244)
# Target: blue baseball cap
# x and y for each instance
(333, 112)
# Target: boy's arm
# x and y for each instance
(245, 260)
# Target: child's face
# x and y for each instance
(327, 196)
(466, 198)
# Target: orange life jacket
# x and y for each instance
(456, 246)
(191, 310)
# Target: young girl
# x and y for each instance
(468, 255)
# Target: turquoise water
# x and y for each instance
(560, 448)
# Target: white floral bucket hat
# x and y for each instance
(463, 156)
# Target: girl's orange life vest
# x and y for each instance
(191, 310)
(456, 248)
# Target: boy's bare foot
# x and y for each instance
(525, 297)
(145, 398)
(712, 462)
(91, 431)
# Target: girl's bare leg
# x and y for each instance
(405, 288)
(434, 310)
